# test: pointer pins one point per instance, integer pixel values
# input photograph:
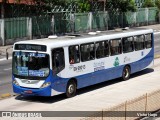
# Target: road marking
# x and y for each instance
(7, 69)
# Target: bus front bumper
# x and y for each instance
(32, 91)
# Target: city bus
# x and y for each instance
(63, 64)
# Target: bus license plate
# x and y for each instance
(28, 91)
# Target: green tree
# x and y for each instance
(157, 2)
(83, 6)
(121, 5)
(148, 3)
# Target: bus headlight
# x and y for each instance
(15, 82)
(45, 84)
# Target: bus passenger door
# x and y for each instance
(58, 62)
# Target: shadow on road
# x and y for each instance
(53, 99)
(143, 72)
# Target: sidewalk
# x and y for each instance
(155, 27)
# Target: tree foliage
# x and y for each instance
(83, 6)
(157, 2)
(148, 3)
(121, 5)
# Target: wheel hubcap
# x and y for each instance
(126, 73)
(71, 89)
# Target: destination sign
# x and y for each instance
(31, 47)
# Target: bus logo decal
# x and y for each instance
(116, 62)
(99, 66)
(77, 68)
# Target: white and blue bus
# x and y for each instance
(55, 65)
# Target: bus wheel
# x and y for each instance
(126, 73)
(71, 89)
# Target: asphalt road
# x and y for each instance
(6, 69)
(5, 76)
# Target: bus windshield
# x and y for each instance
(30, 65)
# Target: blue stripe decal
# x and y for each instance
(104, 75)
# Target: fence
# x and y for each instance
(131, 109)
(13, 29)
(41, 26)
(59, 23)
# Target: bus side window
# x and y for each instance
(74, 56)
(139, 42)
(87, 52)
(115, 47)
(128, 45)
(106, 48)
(102, 49)
(58, 62)
(148, 40)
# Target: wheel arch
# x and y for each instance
(74, 80)
(128, 66)
(71, 87)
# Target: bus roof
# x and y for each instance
(86, 38)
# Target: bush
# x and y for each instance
(148, 3)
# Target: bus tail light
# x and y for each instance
(46, 84)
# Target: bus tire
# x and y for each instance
(126, 73)
(71, 89)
